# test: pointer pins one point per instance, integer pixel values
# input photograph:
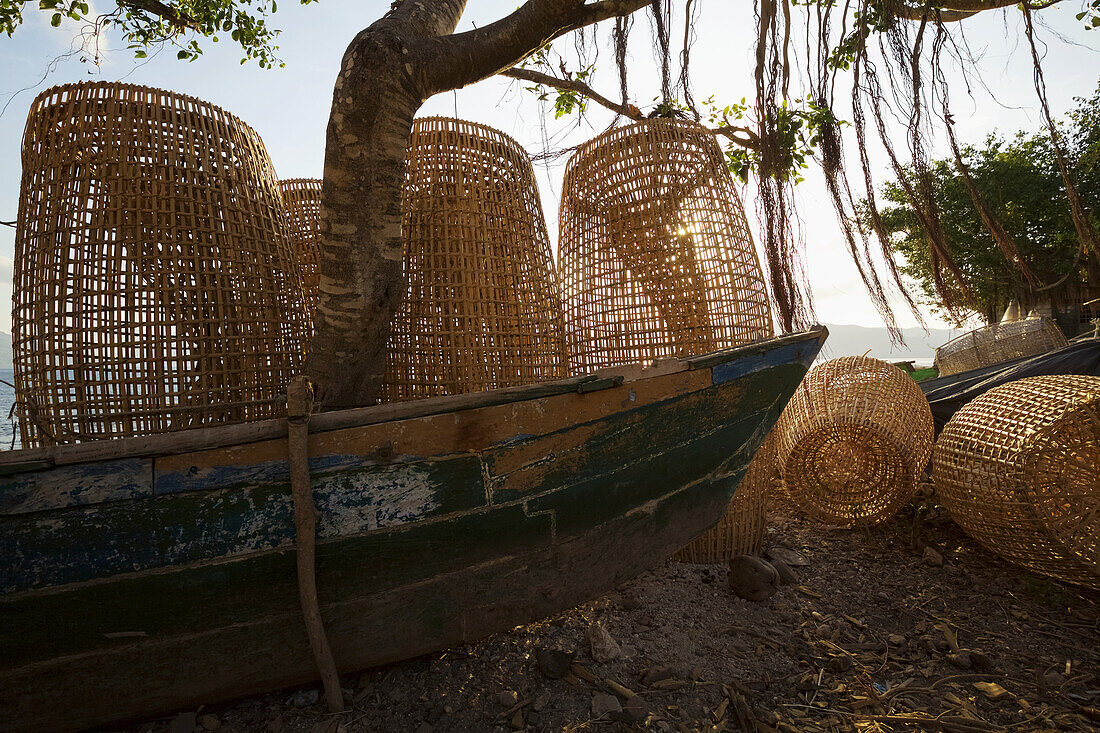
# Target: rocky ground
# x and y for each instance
(876, 633)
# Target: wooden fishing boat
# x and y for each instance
(147, 574)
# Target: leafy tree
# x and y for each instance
(146, 23)
(414, 52)
(1019, 181)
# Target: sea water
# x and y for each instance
(8, 430)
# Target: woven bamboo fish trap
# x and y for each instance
(302, 198)
(155, 288)
(482, 309)
(853, 441)
(1019, 469)
(742, 529)
(999, 342)
(656, 257)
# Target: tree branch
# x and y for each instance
(537, 77)
(742, 136)
(953, 10)
(178, 20)
(464, 58)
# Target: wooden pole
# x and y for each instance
(299, 404)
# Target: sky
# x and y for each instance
(289, 106)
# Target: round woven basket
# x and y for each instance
(155, 286)
(655, 253)
(482, 309)
(742, 529)
(853, 441)
(998, 342)
(1019, 469)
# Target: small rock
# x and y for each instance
(305, 698)
(840, 664)
(517, 720)
(541, 702)
(1051, 679)
(628, 652)
(602, 646)
(752, 578)
(960, 659)
(182, 723)
(932, 557)
(787, 555)
(786, 575)
(635, 709)
(210, 722)
(604, 704)
(631, 602)
(507, 698)
(980, 660)
(553, 663)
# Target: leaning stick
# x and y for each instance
(299, 404)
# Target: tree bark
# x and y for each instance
(388, 71)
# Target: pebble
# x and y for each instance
(752, 578)
(210, 722)
(603, 704)
(553, 663)
(602, 646)
(541, 702)
(507, 698)
(932, 557)
(786, 575)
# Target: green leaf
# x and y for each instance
(56, 20)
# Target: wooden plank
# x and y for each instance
(89, 483)
(84, 543)
(225, 435)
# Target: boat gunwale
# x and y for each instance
(220, 436)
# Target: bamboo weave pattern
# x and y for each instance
(655, 253)
(155, 288)
(302, 199)
(742, 529)
(1019, 469)
(999, 342)
(853, 441)
(482, 309)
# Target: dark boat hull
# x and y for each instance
(499, 528)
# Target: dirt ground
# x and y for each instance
(873, 636)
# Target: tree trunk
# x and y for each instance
(386, 74)
(361, 284)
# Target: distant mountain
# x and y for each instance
(920, 347)
(5, 351)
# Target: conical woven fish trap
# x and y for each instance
(742, 529)
(482, 309)
(155, 288)
(853, 441)
(1019, 469)
(999, 342)
(656, 257)
(302, 198)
